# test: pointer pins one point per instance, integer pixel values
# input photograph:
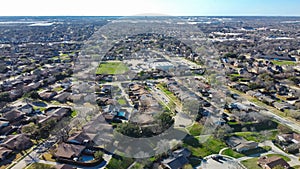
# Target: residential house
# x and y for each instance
(62, 97)
(281, 106)
(14, 116)
(177, 160)
(4, 153)
(27, 109)
(17, 142)
(240, 144)
(47, 95)
(81, 138)
(272, 162)
(69, 151)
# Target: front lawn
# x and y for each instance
(120, 163)
(195, 129)
(112, 68)
(251, 163)
(258, 136)
(210, 146)
(232, 153)
(40, 165)
(281, 63)
(287, 159)
(122, 101)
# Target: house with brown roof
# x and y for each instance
(69, 151)
(14, 116)
(17, 142)
(240, 144)
(47, 95)
(272, 162)
(81, 138)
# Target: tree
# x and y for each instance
(129, 129)
(165, 120)
(222, 131)
(29, 129)
(284, 129)
(4, 96)
(98, 155)
(33, 94)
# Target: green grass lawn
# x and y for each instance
(122, 163)
(257, 137)
(112, 68)
(195, 129)
(74, 113)
(287, 159)
(281, 63)
(232, 153)
(40, 165)
(251, 163)
(58, 89)
(211, 146)
(122, 101)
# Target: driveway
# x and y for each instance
(225, 163)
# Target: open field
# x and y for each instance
(112, 68)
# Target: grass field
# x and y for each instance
(251, 163)
(281, 63)
(195, 129)
(40, 165)
(232, 153)
(112, 68)
(210, 146)
(257, 137)
(287, 159)
(122, 101)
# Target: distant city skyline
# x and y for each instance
(150, 7)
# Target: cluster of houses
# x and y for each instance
(270, 85)
(289, 142)
(123, 49)
(145, 105)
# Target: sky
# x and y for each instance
(149, 7)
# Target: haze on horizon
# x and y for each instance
(150, 7)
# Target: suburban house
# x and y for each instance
(289, 138)
(4, 153)
(14, 116)
(17, 142)
(69, 151)
(81, 138)
(240, 144)
(177, 160)
(271, 162)
(27, 109)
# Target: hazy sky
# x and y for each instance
(160, 7)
